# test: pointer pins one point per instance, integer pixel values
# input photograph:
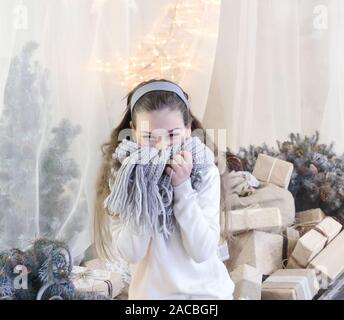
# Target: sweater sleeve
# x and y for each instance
(197, 213)
(127, 242)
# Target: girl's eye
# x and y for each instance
(171, 136)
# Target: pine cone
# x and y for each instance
(303, 170)
(341, 193)
(326, 193)
(299, 152)
(234, 163)
(313, 169)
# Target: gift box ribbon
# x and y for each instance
(271, 170)
(96, 275)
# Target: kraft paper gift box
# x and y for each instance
(307, 247)
(309, 217)
(290, 284)
(329, 227)
(272, 170)
(311, 243)
(259, 249)
(329, 263)
(262, 219)
(101, 281)
(248, 283)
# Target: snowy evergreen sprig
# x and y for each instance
(49, 266)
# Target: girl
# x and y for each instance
(185, 265)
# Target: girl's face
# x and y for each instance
(160, 128)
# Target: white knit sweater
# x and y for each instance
(187, 265)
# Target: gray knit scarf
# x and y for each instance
(142, 193)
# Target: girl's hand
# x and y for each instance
(180, 167)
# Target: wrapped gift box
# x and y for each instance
(259, 249)
(311, 243)
(101, 281)
(272, 170)
(329, 263)
(329, 227)
(309, 217)
(307, 247)
(262, 219)
(248, 282)
(290, 284)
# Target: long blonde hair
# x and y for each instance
(151, 101)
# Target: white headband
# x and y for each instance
(157, 86)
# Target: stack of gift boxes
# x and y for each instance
(270, 259)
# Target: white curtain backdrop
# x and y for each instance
(332, 120)
(278, 69)
(258, 68)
